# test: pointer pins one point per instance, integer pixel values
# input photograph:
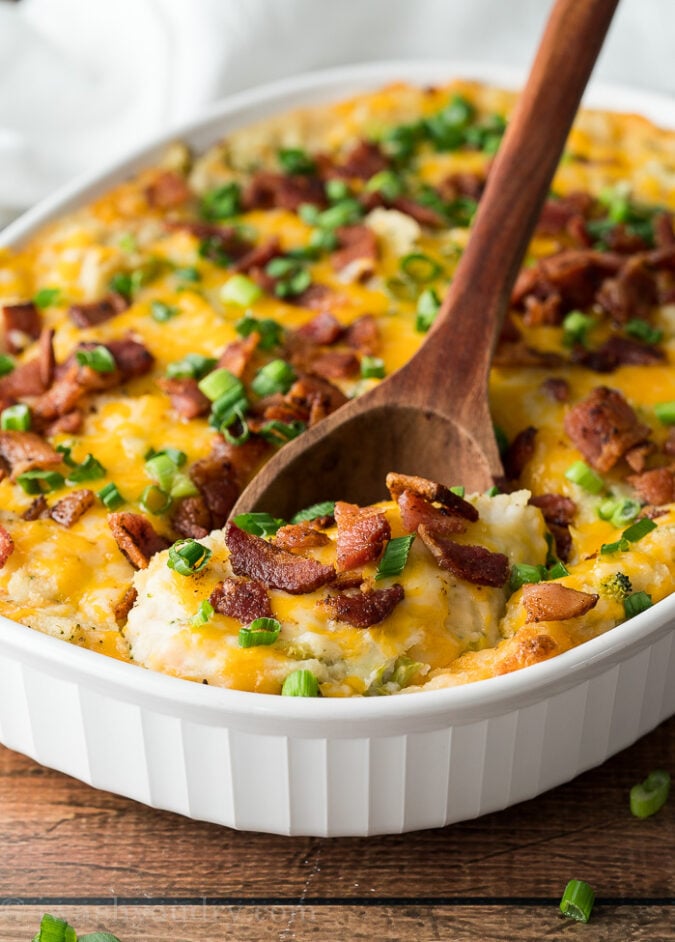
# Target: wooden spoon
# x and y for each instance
(432, 417)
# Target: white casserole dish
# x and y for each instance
(331, 767)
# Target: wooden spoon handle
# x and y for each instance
(458, 351)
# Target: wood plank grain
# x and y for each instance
(357, 923)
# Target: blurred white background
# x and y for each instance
(84, 81)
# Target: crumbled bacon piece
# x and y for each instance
(361, 535)
(632, 293)
(363, 335)
(463, 183)
(256, 558)
(46, 358)
(558, 512)
(603, 427)
(299, 536)
(424, 215)
(335, 365)
(415, 510)
(22, 324)
(475, 564)
(557, 215)
(636, 458)
(70, 508)
(168, 190)
(618, 351)
(316, 395)
(217, 240)
(557, 388)
(551, 601)
(364, 608)
(270, 190)
(519, 354)
(122, 608)
(432, 491)
(363, 161)
(238, 354)
(6, 546)
(664, 235)
(572, 277)
(217, 482)
(186, 397)
(25, 451)
(37, 509)
(97, 312)
(317, 297)
(356, 253)
(656, 486)
(258, 256)
(136, 538)
(322, 330)
(244, 459)
(131, 357)
(542, 312)
(668, 446)
(25, 380)
(520, 452)
(243, 599)
(192, 518)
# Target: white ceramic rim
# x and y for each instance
(339, 717)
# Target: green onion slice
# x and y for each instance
(16, 418)
(420, 267)
(557, 571)
(88, 470)
(580, 473)
(6, 364)
(110, 496)
(372, 368)
(188, 274)
(188, 557)
(636, 603)
(100, 359)
(239, 422)
(46, 297)
(219, 382)
(324, 509)
(270, 331)
(40, 482)
(386, 182)
(203, 615)
(665, 412)
(395, 557)
(636, 327)
(337, 190)
(651, 795)
(428, 306)
(275, 377)
(259, 524)
(638, 530)
(155, 501)
(459, 490)
(192, 366)
(162, 312)
(293, 161)
(278, 433)
(522, 574)
(240, 290)
(576, 326)
(577, 901)
(161, 469)
(300, 683)
(260, 631)
(222, 203)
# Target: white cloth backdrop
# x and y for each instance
(82, 81)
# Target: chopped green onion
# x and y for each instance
(300, 683)
(228, 409)
(386, 182)
(212, 248)
(579, 473)
(216, 384)
(400, 142)
(45, 297)
(324, 509)
(337, 190)
(395, 557)
(626, 511)
(665, 412)
(6, 364)
(188, 557)
(40, 482)
(128, 242)
(638, 530)
(401, 288)
(161, 469)
(222, 203)
(309, 213)
(66, 450)
(636, 327)
(649, 796)
(88, 470)
(121, 283)
(323, 240)
(459, 490)
(557, 571)
(293, 160)
(183, 486)
(100, 359)
(188, 274)
(203, 615)
(420, 267)
(492, 491)
(278, 433)
(110, 496)
(192, 366)
(577, 901)
(16, 418)
(245, 431)
(619, 546)
(270, 331)
(372, 368)
(576, 327)
(524, 574)
(428, 306)
(175, 454)
(443, 135)
(162, 312)
(275, 377)
(344, 213)
(459, 112)
(260, 631)
(501, 438)
(636, 603)
(155, 501)
(616, 200)
(241, 290)
(259, 524)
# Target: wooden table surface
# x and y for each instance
(104, 862)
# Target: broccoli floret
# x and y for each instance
(617, 586)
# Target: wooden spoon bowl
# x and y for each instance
(432, 416)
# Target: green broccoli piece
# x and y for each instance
(617, 586)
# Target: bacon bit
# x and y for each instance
(299, 536)
(275, 408)
(217, 482)
(573, 276)
(37, 510)
(557, 388)
(46, 358)
(243, 599)
(97, 312)
(604, 427)
(317, 297)
(668, 446)
(543, 311)
(322, 330)
(475, 564)
(169, 190)
(336, 365)
(347, 580)
(364, 335)
(365, 608)
(356, 253)
(519, 354)
(122, 608)
(131, 357)
(69, 424)
(244, 459)
(269, 190)
(186, 397)
(633, 293)
(656, 486)
(621, 239)
(237, 355)
(192, 518)
(259, 256)
(551, 601)
(664, 236)
(557, 215)
(316, 395)
(136, 538)
(276, 568)
(227, 239)
(70, 508)
(463, 183)
(22, 324)
(618, 351)
(24, 451)
(432, 491)
(6, 546)
(363, 161)
(556, 508)
(520, 452)
(361, 535)
(424, 215)
(416, 510)
(25, 380)
(636, 458)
